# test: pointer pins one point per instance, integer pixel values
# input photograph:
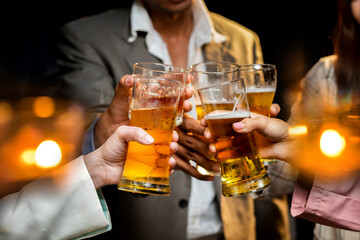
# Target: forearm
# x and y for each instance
(102, 130)
(64, 204)
(95, 169)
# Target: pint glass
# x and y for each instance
(260, 81)
(171, 72)
(154, 107)
(206, 74)
(242, 171)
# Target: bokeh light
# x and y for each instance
(6, 113)
(332, 143)
(48, 154)
(44, 107)
(28, 156)
(298, 130)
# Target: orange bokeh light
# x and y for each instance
(44, 107)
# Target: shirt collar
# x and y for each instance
(203, 26)
(139, 20)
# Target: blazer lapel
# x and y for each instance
(217, 52)
(138, 52)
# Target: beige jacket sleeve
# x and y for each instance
(63, 205)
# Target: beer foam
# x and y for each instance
(253, 89)
(226, 114)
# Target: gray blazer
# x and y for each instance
(93, 55)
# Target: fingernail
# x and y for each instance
(127, 81)
(207, 133)
(238, 125)
(148, 139)
(172, 161)
(175, 136)
(212, 148)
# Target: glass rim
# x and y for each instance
(138, 78)
(178, 70)
(261, 66)
(223, 83)
(237, 67)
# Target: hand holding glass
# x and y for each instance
(170, 72)
(153, 107)
(242, 171)
(206, 74)
(260, 81)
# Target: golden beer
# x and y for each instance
(200, 112)
(200, 115)
(260, 99)
(260, 81)
(147, 166)
(206, 74)
(154, 106)
(169, 72)
(241, 168)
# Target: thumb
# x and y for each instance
(128, 133)
(274, 110)
(124, 86)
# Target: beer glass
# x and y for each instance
(242, 171)
(169, 72)
(206, 74)
(260, 81)
(153, 107)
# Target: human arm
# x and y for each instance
(193, 146)
(273, 141)
(65, 204)
(105, 164)
(117, 114)
(196, 147)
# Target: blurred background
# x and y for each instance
(293, 35)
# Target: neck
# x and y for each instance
(175, 28)
(173, 25)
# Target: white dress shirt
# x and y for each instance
(203, 218)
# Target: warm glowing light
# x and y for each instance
(355, 117)
(5, 113)
(48, 154)
(28, 156)
(44, 107)
(298, 130)
(332, 143)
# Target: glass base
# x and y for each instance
(206, 172)
(178, 121)
(246, 187)
(268, 162)
(144, 187)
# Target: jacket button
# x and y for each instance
(183, 203)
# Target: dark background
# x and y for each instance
(293, 35)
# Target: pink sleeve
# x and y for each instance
(332, 203)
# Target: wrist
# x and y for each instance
(101, 134)
(91, 161)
